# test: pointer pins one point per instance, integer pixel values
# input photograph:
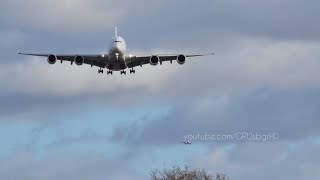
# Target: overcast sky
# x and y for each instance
(68, 122)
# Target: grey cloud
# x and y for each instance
(39, 108)
(250, 64)
(211, 91)
(274, 19)
(26, 164)
(280, 19)
(259, 44)
(88, 137)
(263, 161)
(59, 15)
(175, 26)
(292, 114)
(23, 107)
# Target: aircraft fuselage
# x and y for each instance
(117, 60)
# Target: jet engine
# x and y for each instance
(181, 59)
(52, 59)
(154, 60)
(79, 60)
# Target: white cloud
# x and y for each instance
(35, 76)
(253, 63)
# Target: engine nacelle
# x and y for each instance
(79, 60)
(181, 59)
(154, 60)
(52, 59)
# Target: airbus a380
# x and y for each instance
(116, 59)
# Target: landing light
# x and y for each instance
(102, 55)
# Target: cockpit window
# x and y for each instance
(118, 41)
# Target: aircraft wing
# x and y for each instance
(142, 60)
(98, 60)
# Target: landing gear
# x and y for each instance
(109, 72)
(132, 71)
(123, 72)
(100, 71)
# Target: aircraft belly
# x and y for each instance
(116, 65)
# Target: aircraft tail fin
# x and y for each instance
(116, 31)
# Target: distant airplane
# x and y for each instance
(116, 59)
(186, 142)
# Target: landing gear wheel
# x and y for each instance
(109, 72)
(132, 71)
(100, 71)
(123, 72)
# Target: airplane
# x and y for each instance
(186, 142)
(116, 59)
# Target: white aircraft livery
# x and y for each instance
(116, 59)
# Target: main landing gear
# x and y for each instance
(132, 71)
(100, 71)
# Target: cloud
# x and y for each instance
(291, 114)
(37, 87)
(264, 77)
(61, 15)
(26, 164)
(277, 19)
(255, 63)
(250, 64)
(262, 161)
(10, 37)
(88, 136)
(285, 19)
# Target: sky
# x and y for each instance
(251, 111)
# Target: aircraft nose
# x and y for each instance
(118, 45)
(115, 45)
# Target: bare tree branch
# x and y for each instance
(177, 173)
